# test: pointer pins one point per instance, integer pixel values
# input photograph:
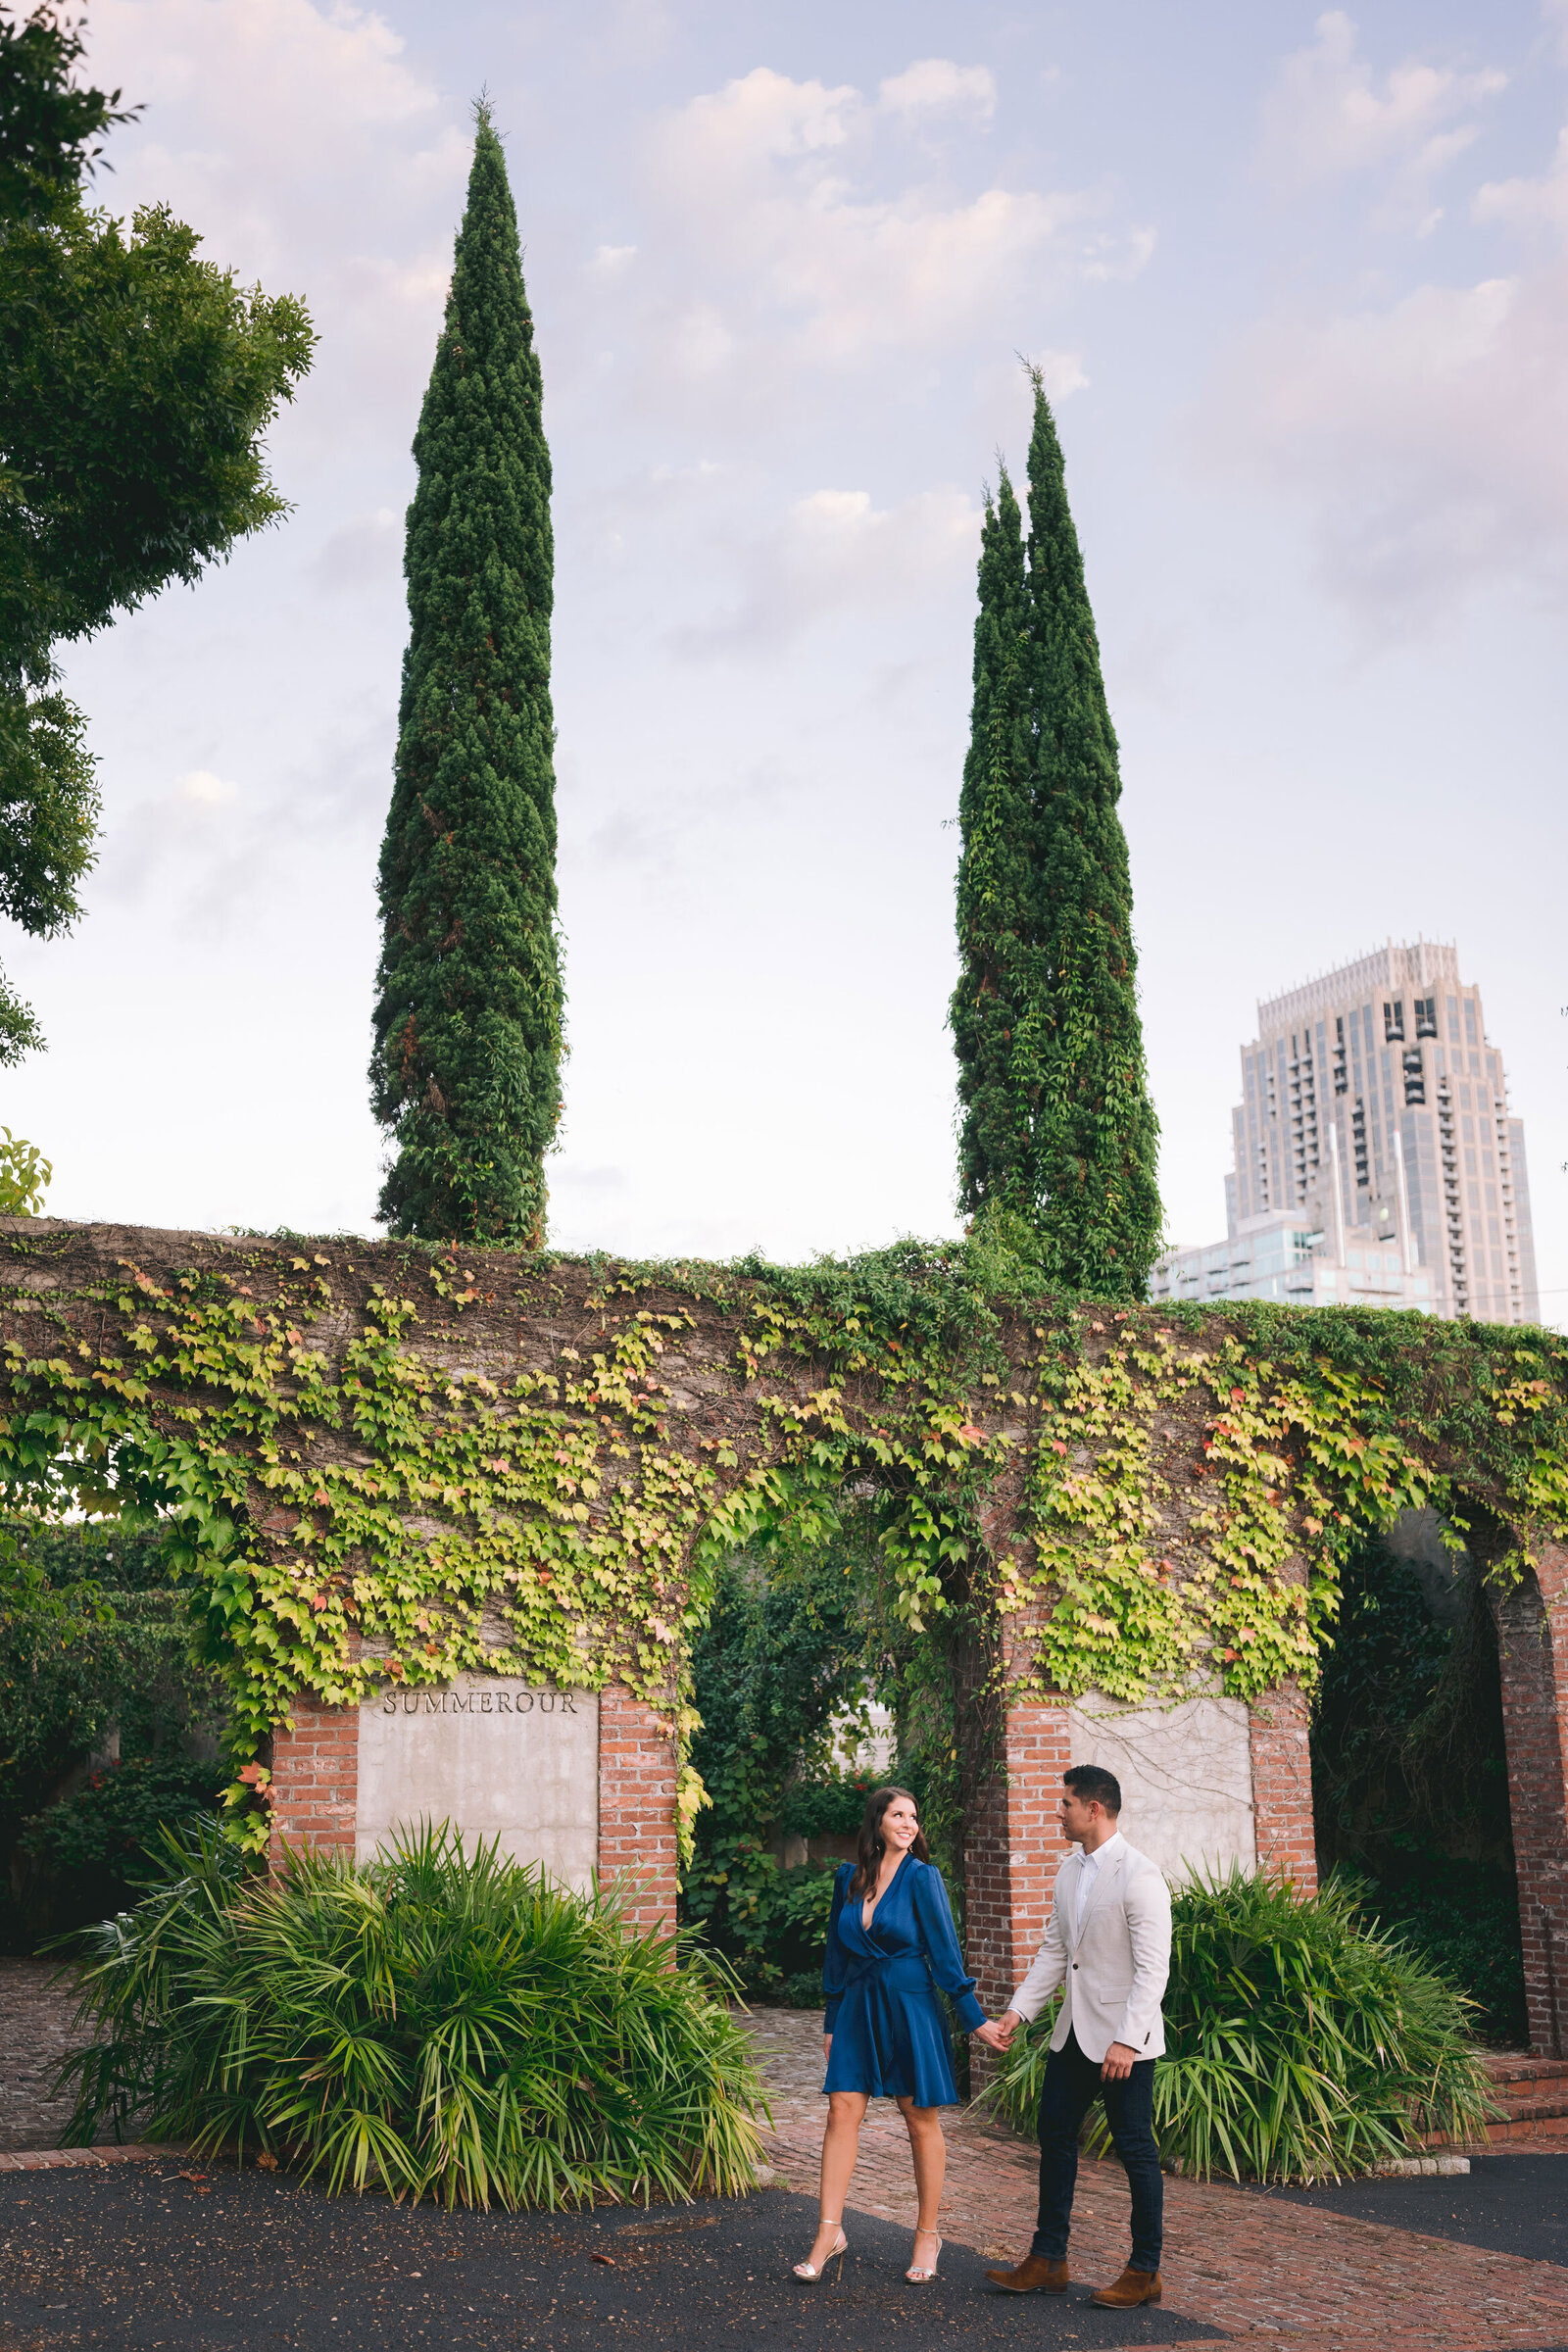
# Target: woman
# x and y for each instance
(890, 1944)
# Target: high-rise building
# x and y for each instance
(1376, 1157)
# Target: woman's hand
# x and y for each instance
(827, 2049)
(998, 2035)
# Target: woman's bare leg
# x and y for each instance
(840, 2146)
(930, 2153)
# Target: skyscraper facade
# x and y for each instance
(1374, 1125)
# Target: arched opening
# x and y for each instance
(812, 1689)
(1410, 1764)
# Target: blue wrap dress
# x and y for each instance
(890, 2037)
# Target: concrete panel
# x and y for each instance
(1186, 1775)
(499, 1758)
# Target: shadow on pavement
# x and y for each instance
(135, 2256)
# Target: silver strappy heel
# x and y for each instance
(915, 2273)
(840, 2248)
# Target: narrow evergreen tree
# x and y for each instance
(1057, 1124)
(465, 1072)
(996, 1012)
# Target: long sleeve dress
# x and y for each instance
(889, 2035)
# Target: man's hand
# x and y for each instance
(1119, 2062)
(998, 2035)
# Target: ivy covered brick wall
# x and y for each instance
(395, 1461)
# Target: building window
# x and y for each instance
(1426, 1016)
(1394, 1021)
(1415, 1083)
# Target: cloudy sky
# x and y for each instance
(1299, 282)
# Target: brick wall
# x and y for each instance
(1013, 1849)
(315, 1776)
(1531, 1625)
(1282, 1786)
(637, 1803)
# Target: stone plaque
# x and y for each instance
(498, 1758)
(1186, 1775)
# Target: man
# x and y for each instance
(1108, 1944)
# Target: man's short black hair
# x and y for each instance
(1095, 1786)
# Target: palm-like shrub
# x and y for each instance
(1300, 2044)
(434, 2023)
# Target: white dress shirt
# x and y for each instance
(1089, 1871)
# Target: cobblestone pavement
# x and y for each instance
(1248, 2266)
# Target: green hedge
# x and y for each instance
(832, 1808)
(1302, 2044)
(88, 1853)
(433, 2023)
(1462, 1918)
(96, 1635)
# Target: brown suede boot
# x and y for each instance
(1131, 2288)
(1034, 2275)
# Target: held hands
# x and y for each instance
(998, 2035)
(1117, 2065)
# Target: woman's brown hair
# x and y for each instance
(872, 1845)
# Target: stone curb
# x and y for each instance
(48, 2160)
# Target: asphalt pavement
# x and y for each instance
(140, 2255)
(134, 2255)
(1513, 2204)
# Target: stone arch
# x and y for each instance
(758, 1375)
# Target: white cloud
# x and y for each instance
(1424, 439)
(935, 85)
(1421, 435)
(310, 156)
(1117, 254)
(778, 203)
(1525, 202)
(1061, 371)
(202, 790)
(835, 550)
(1328, 114)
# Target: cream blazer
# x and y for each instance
(1116, 1966)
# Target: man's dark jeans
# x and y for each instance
(1071, 2086)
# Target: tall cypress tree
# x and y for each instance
(465, 1072)
(1058, 1121)
(996, 1007)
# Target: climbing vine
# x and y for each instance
(1198, 1478)
(391, 1463)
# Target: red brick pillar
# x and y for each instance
(1282, 1786)
(1531, 1630)
(1013, 1849)
(637, 1765)
(315, 1776)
